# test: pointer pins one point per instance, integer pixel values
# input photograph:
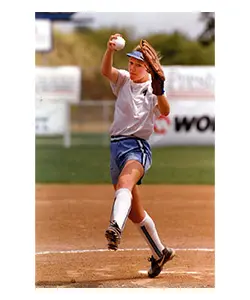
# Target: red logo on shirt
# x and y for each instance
(161, 124)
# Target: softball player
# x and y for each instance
(130, 153)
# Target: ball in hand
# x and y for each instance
(119, 43)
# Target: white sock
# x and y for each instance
(121, 207)
(149, 232)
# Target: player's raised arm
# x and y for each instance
(107, 68)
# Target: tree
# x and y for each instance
(208, 35)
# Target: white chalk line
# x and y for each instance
(125, 249)
(178, 272)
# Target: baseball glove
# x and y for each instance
(154, 67)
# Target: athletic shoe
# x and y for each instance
(113, 235)
(157, 265)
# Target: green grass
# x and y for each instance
(182, 165)
(90, 164)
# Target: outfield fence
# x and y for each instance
(84, 123)
(87, 123)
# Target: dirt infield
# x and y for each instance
(71, 248)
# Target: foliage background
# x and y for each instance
(85, 48)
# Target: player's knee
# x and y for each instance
(126, 183)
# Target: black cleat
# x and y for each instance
(113, 235)
(157, 265)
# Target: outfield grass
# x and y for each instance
(90, 164)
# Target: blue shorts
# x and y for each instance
(122, 149)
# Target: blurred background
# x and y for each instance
(74, 103)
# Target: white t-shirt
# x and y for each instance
(134, 107)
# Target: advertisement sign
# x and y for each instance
(190, 82)
(43, 36)
(58, 83)
(50, 118)
(189, 123)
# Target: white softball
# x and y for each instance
(119, 43)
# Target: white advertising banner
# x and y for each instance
(189, 123)
(58, 83)
(190, 82)
(50, 118)
(43, 35)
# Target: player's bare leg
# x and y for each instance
(130, 175)
(147, 228)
